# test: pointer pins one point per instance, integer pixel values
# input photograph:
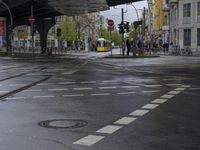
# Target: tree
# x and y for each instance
(68, 30)
(116, 38)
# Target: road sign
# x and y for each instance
(31, 19)
(110, 22)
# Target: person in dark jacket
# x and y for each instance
(128, 46)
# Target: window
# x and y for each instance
(198, 36)
(198, 12)
(187, 37)
(186, 13)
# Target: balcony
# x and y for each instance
(166, 7)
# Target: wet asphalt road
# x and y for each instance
(128, 104)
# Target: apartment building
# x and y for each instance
(185, 23)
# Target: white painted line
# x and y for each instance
(129, 87)
(4, 92)
(89, 140)
(174, 92)
(109, 81)
(153, 85)
(169, 79)
(57, 89)
(125, 120)
(194, 88)
(173, 84)
(75, 95)
(109, 129)
(33, 90)
(16, 84)
(150, 106)
(155, 91)
(139, 112)
(105, 88)
(167, 96)
(88, 82)
(180, 89)
(41, 84)
(15, 98)
(85, 88)
(100, 94)
(185, 86)
(159, 101)
(67, 83)
(48, 96)
(69, 72)
(126, 93)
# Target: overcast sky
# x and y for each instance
(115, 13)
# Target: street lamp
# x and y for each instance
(11, 22)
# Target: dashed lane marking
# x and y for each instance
(33, 90)
(100, 94)
(158, 85)
(159, 101)
(167, 96)
(109, 129)
(155, 91)
(150, 106)
(15, 98)
(88, 82)
(85, 88)
(63, 83)
(73, 95)
(139, 112)
(173, 84)
(89, 140)
(57, 89)
(129, 87)
(126, 93)
(106, 88)
(47, 96)
(194, 88)
(180, 89)
(109, 81)
(125, 120)
(174, 92)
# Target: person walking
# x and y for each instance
(128, 46)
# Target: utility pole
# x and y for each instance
(32, 32)
(123, 42)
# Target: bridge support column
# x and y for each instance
(43, 27)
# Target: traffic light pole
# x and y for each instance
(123, 41)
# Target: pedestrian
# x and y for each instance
(128, 46)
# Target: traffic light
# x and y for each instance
(58, 32)
(126, 26)
(121, 28)
(9, 28)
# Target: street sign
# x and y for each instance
(110, 22)
(31, 19)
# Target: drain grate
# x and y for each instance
(63, 123)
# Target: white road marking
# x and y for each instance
(41, 84)
(126, 93)
(159, 101)
(4, 92)
(57, 89)
(150, 106)
(185, 86)
(153, 85)
(109, 81)
(139, 112)
(100, 94)
(173, 84)
(129, 87)
(125, 120)
(167, 96)
(33, 90)
(194, 88)
(75, 95)
(47, 96)
(16, 84)
(180, 89)
(155, 91)
(174, 92)
(69, 72)
(15, 98)
(109, 129)
(67, 83)
(105, 88)
(85, 88)
(89, 140)
(88, 82)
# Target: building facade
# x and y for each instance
(185, 23)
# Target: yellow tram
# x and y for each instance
(103, 45)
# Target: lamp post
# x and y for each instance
(11, 24)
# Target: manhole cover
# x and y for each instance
(63, 123)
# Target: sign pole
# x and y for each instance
(32, 38)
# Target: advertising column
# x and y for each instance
(2, 33)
